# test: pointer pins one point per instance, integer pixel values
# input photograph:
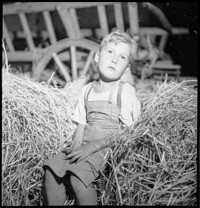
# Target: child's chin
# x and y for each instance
(108, 78)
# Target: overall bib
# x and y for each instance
(102, 121)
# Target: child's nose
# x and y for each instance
(114, 59)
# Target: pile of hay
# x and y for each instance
(153, 163)
(36, 123)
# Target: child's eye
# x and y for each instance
(123, 58)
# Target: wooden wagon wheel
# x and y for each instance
(73, 58)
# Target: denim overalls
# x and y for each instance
(102, 121)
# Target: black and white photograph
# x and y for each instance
(99, 104)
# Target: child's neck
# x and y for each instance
(102, 86)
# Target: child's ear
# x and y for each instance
(96, 57)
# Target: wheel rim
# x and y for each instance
(61, 45)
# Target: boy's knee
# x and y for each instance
(49, 182)
(48, 176)
(52, 185)
(51, 177)
(76, 183)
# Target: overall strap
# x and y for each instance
(110, 96)
(118, 94)
(119, 102)
(87, 92)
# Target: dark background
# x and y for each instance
(183, 48)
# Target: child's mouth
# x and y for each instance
(112, 68)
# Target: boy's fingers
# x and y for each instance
(74, 158)
(65, 157)
(81, 158)
(72, 154)
(67, 150)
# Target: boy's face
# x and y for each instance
(113, 60)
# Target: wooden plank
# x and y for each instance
(21, 34)
(73, 63)
(155, 71)
(179, 31)
(67, 22)
(20, 56)
(7, 37)
(74, 18)
(50, 28)
(27, 31)
(152, 31)
(167, 66)
(30, 7)
(162, 42)
(103, 19)
(119, 16)
(88, 62)
(133, 18)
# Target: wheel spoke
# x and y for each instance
(73, 63)
(88, 62)
(63, 68)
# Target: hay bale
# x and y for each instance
(154, 163)
(36, 123)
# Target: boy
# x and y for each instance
(104, 107)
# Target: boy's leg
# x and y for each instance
(84, 195)
(55, 191)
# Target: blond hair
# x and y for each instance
(117, 37)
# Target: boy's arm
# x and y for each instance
(78, 134)
(76, 141)
(130, 109)
(79, 118)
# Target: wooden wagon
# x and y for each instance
(74, 48)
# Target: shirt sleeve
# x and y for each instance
(130, 108)
(80, 112)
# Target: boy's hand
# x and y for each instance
(70, 147)
(81, 153)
